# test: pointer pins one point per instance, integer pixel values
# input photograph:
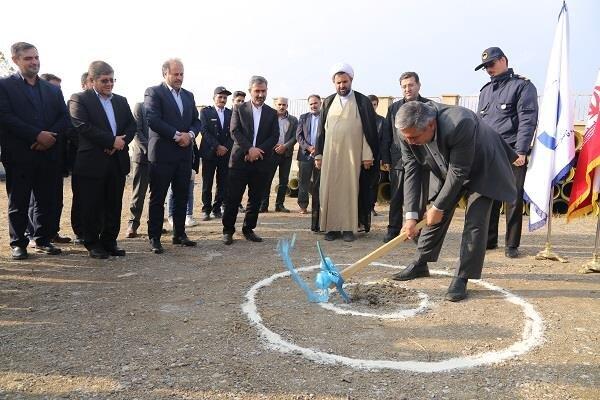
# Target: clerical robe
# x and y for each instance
(347, 136)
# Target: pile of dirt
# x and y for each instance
(385, 293)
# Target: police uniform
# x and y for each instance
(508, 103)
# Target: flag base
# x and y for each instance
(592, 266)
(548, 254)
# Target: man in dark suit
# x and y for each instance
(105, 126)
(173, 125)
(306, 135)
(282, 156)
(139, 169)
(214, 149)
(469, 159)
(379, 122)
(33, 116)
(391, 152)
(254, 129)
(76, 213)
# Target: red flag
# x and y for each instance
(584, 192)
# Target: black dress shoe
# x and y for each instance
(49, 249)
(491, 246)
(348, 236)
(457, 290)
(19, 253)
(511, 252)
(184, 241)
(78, 240)
(227, 238)
(98, 253)
(251, 236)
(263, 210)
(156, 247)
(332, 235)
(115, 251)
(413, 271)
(61, 239)
(217, 213)
(281, 209)
(206, 217)
(389, 236)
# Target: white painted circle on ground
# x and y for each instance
(531, 337)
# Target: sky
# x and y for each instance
(294, 44)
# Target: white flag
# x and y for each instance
(554, 144)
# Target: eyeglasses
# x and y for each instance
(107, 80)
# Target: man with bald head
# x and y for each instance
(173, 125)
(282, 155)
(346, 146)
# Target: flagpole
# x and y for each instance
(594, 265)
(547, 253)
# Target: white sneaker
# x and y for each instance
(190, 221)
(171, 222)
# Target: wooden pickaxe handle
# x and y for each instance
(378, 253)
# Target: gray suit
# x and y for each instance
(139, 166)
(284, 163)
(470, 159)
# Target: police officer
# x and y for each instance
(508, 103)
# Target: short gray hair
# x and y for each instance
(414, 114)
(283, 99)
(166, 67)
(258, 80)
(98, 68)
(18, 47)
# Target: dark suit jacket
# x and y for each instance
(95, 133)
(164, 119)
(242, 132)
(22, 122)
(303, 137)
(391, 152)
(213, 134)
(139, 146)
(476, 158)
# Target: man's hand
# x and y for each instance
(254, 154)
(45, 139)
(311, 150)
(318, 164)
(37, 147)
(221, 150)
(183, 139)
(110, 152)
(280, 148)
(367, 164)
(409, 228)
(434, 216)
(520, 161)
(385, 167)
(119, 143)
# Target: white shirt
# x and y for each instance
(177, 97)
(256, 112)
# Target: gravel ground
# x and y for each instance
(171, 326)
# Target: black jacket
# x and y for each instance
(242, 133)
(213, 134)
(95, 133)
